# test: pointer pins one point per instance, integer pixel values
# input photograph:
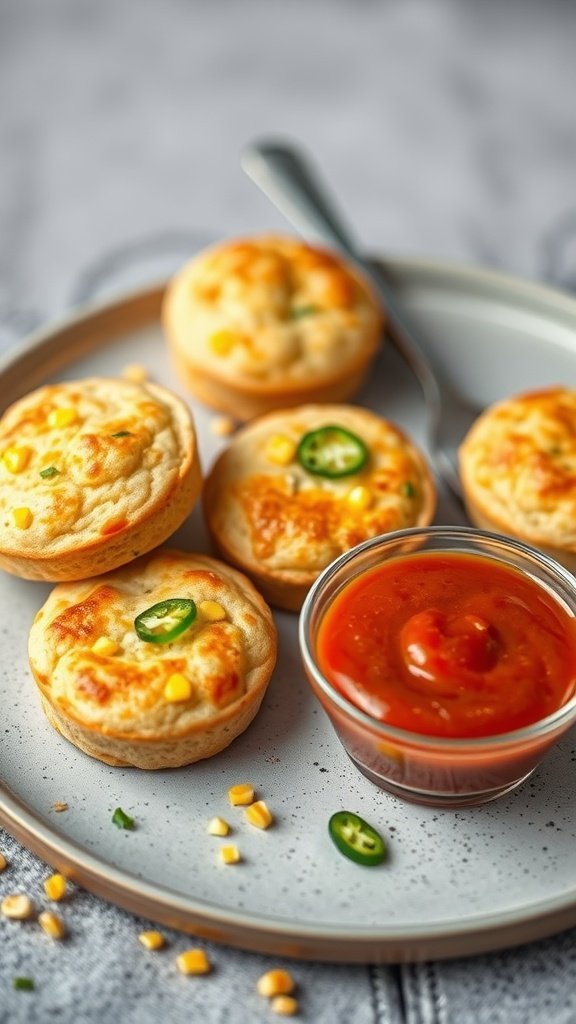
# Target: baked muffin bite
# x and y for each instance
(297, 488)
(156, 665)
(93, 473)
(518, 470)
(269, 322)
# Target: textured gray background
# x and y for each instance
(447, 128)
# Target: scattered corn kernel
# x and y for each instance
(193, 961)
(259, 815)
(276, 982)
(22, 518)
(359, 498)
(280, 449)
(135, 372)
(222, 426)
(152, 940)
(52, 924)
(17, 458)
(177, 688)
(229, 854)
(284, 1006)
(19, 907)
(218, 827)
(62, 417)
(59, 806)
(222, 342)
(55, 887)
(241, 795)
(104, 645)
(212, 611)
(3, 862)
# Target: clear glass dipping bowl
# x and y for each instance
(425, 769)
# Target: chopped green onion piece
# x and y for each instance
(409, 489)
(166, 620)
(24, 984)
(123, 820)
(300, 311)
(122, 433)
(49, 472)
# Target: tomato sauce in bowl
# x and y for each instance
(445, 658)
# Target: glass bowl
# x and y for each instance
(437, 771)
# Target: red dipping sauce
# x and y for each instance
(449, 645)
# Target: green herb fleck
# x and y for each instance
(408, 489)
(49, 472)
(300, 311)
(123, 820)
(24, 984)
(122, 433)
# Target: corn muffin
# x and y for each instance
(269, 322)
(297, 488)
(93, 473)
(518, 470)
(156, 665)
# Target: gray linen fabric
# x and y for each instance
(447, 129)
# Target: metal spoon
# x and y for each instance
(285, 177)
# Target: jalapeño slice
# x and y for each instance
(164, 621)
(356, 839)
(332, 452)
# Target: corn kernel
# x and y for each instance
(259, 815)
(229, 854)
(222, 342)
(3, 862)
(17, 458)
(62, 417)
(135, 372)
(18, 907)
(22, 518)
(241, 795)
(55, 887)
(59, 806)
(284, 1006)
(280, 449)
(218, 827)
(276, 982)
(193, 961)
(104, 645)
(359, 498)
(212, 611)
(177, 688)
(52, 924)
(152, 940)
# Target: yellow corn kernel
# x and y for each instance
(135, 372)
(62, 417)
(241, 795)
(152, 940)
(17, 458)
(104, 645)
(218, 827)
(59, 806)
(52, 924)
(19, 907)
(276, 982)
(212, 611)
(22, 518)
(259, 815)
(3, 862)
(177, 688)
(222, 342)
(55, 887)
(284, 1006)
(280, 449)
(193, 961)
(359, 498)
(229, 854)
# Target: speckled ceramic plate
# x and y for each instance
(457, 882)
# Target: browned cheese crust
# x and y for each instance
(283, 525)
(93, 473)
(518, 470)
(114, 706)
(269, 322)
